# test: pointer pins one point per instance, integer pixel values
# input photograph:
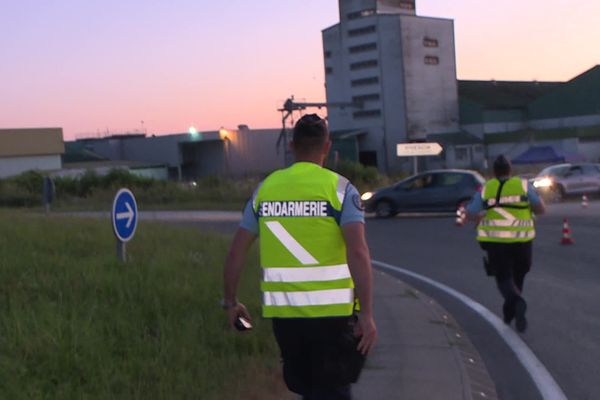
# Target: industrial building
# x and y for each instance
(187, 156)
(510, 117)
(23, 150)
(398, 71)
(391, 78)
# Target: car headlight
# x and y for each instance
(366, 196)
(542, 183)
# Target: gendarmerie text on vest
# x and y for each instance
(293, 209)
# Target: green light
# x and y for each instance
(195, 135)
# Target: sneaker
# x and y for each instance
(521, 321)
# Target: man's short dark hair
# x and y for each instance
(502, 166)
(310, 133)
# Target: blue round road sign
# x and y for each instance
(124, 215)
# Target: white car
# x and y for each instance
(558, 181)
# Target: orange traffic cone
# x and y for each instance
(566, 233)
(461, 216)
(584, 201)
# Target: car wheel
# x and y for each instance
(384, 209)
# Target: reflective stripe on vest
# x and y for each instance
(302, 249)
(290, 243)
(309, 298)
(505, 200)
(341, 188)
(506, 234)
(511, 222)
(506, 224)
(304, 274)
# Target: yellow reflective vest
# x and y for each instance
(302, 250)
(508, 217)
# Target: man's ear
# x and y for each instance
(327, 147)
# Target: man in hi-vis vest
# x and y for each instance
(504, 210)
(316, 268)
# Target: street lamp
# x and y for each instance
(224, 134)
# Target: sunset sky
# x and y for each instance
(90, 66)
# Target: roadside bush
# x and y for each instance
(224, 189)
(90, 183)
(12, 195)
(24, 190)
(362, 177)
(87, 183)
(91, 191)
(118, 178)
(67, 185)
(30, 181)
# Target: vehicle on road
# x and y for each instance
(431, 191)
(558, 181)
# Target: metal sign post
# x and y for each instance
(49, 192)
(418, 149)
(124, 220)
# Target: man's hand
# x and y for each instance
(359, 263)
(239, 310)
(367, 331)
(234, 264)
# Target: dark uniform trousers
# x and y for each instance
(320, 359)
(511, 262)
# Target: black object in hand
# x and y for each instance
(242, 324)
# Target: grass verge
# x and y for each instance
(74, 323)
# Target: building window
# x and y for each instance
(461, 154)
(360, 14)
(432, 60)
(363, 65)
(407, 5)
(361, 48)
(362, 31)
(430, 42)
(366, 114)
(328, 70)
(328, 54)
(365, 81)
(365, 97)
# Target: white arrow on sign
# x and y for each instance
(418, 149)
(128, 215)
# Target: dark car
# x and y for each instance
(431, 191)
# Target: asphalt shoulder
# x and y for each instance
(422, 352)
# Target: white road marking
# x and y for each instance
(544, 382)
